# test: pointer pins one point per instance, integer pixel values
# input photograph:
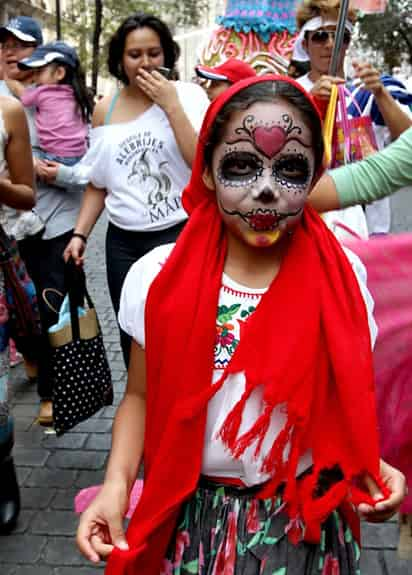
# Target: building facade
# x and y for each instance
(189, 40)
(42, 10)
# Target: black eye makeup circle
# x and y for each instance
(239, 168)
(292, 170)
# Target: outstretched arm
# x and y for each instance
(375, 177)
(100, 526)
(72, 178)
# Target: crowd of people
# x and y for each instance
(257, 427)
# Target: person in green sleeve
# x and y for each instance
(373, 178)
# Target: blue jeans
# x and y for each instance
(67, 161)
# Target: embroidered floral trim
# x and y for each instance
(232, 314)
(241, 294)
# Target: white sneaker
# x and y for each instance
(27, 224)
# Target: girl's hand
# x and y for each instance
(75, 249)
(40, 168)
(396, 483)
(159, 89)
(46, 170)
(101, 525)
(369, 77)
(323, 87)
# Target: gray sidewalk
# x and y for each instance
(52, 470)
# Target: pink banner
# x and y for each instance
(388, 260)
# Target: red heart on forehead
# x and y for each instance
(269, 140)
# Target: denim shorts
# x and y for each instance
(67, 161)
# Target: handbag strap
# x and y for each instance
(75, 283)
(45, 298)
(347, 94)
(369, 103)
(343, 113)
(329, 125)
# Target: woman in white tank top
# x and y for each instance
(143, 144)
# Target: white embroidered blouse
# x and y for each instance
(236, 304)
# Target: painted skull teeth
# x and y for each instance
(263, 220)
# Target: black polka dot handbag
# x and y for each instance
(82, 382)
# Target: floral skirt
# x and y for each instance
(225, 530)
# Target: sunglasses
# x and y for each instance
(322, 36)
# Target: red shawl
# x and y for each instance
(307, 343)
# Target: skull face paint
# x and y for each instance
(263, 170)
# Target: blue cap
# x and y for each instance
(24, 28)
(58, 52)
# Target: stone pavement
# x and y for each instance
(51, 470)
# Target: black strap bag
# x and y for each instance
(82, 382)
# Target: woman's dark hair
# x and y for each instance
(75, 78)
(171, 50)
(269, 91)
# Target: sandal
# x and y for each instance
(45, 413)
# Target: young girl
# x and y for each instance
(252, 404)
(60, 99)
